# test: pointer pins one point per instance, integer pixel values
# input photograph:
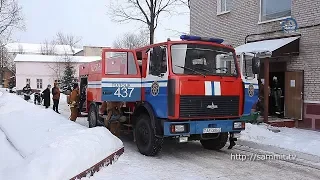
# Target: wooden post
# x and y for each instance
(266, 90)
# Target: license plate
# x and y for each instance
(183, 139)
(211, 130)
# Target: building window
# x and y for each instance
(274, 9)
(39, 83)
(223, 6)
(28, 81)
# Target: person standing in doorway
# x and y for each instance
(56, 97)
(74, 102)
(46, 96)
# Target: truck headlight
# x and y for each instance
(178, 128)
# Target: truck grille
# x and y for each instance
(209, 106)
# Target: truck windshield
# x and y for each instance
(198, 59)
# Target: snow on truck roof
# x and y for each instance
(47, 58)
(36, 48)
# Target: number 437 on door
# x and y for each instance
(123, 92)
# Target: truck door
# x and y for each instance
(155, 83)
(121, 79)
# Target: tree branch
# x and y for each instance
(146, 11)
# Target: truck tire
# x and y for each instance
(93, 116)
(147, 143)
(215, 144)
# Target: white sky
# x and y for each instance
(87, 19)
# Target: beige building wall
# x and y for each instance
(92, 50)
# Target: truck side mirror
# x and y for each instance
(255, 65)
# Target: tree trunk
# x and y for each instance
(151, 37)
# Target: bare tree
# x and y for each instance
(186, 3)
(10, 19)
(56, 68)
(68, 39)
(20, 49)
(145, 11)
(48, 48)
(60, 62)
(10, 16)
(131, 40)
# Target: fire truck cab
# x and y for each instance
(183, 90)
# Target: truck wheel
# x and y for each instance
(215, 144)
(92, 116)
(147, 143)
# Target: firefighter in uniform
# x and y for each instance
(114, 116)
(74, 102)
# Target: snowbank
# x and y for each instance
(8, 155)
(45, 144)
(305, 141)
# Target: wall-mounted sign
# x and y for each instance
(289, 25)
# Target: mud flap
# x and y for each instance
(103, 163)
(232, 140)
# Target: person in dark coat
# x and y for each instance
(27, 91)
(46, 96)
(56, 97)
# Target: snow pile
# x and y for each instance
(305, 141)
(8, 155)
(45, 145)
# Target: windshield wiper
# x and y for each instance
(183, 67)
(204, 69)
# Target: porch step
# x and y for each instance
(282, 123)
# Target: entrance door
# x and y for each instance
(294, 94)
(121, 80)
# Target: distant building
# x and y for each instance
(7, 76)
(90, 51)
(41, 70)
(43, 57)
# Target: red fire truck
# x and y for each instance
(186, 90)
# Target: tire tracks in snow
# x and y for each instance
(221, 161)
(297, 160)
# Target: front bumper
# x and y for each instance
(197, 127)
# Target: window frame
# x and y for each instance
(28, 79)
(149, 73)
(126, 59)
(271, 20)
(236, 64)
(219, 7)
(39, 84)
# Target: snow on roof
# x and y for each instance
(29, 48)
(47, 58)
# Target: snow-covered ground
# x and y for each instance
(38, 143)
(305, 141)
(191, 161)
